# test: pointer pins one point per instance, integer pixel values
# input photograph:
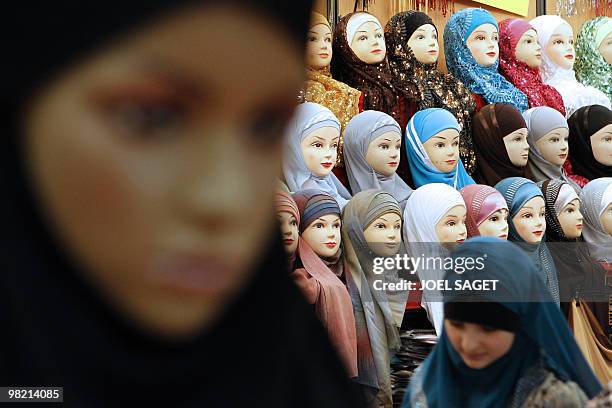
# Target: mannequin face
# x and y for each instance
(570, 219)
(424, 44)
(318, 46)
(289, 230)
(479, 346)
(554, 147)
(560, 47)
(320, 150)
(323, 235)
(529, 222)
(451, 230)
(384, 153)
(369, 43)
(384, 234)
(496, 225)
(483, 43)
(601, 143)
(148, 118)
(605, 48)
(443, 150)
(528, 49)
(606, 220)
(517, 147)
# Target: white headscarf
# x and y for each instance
(596, 196)
(575, 95)
(308, 118)
(566, 195)
(356, 21)
(362, 130)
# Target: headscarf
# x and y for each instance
(423, 126)
(575, 94)
(542, 341)
(480, 201)
(521, 75)
(485, 81)
(362, 130)
(583, 123)
(374, 81)
(591, 67)
(425, 208)
(517, 191)
(308, 118)
(491, 124)
(320, 285)
(338, 97)
(596, 196)
(541, 121)
(377, 324)
(64, 331)
(283, 202)
(436, 89)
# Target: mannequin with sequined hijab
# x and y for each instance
(436, 89)
(594, 54)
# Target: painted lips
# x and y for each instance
(330, 244)
(327, 165)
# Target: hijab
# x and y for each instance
(596, 196)
(575, 95)
(583, 123)
(283, 202)
(542, 339)
(480, 201)
(63, 330)
(436, 89)
(591, 67)
(308, 118)
(425, 208)
(525, 78)
(517, 191)
(541, 121)
(491, 124)
(485, 81)
(338, 97)
(376, 311)
(362, 130)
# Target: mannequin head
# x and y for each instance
(605, 48)
(601, 143)
(528, 49)
(424, 44)
(384, 153)
(496, 225)
(384, 234)
(560, 47)
(319, 46)
(451, 229)
(323, 235)
(570, 219)
(483, 43)
(443, 150)
(366, 38)
(320, 150)
(289, 230)
(517, 147)
(554, 146)
(529, 221)
(606, 219)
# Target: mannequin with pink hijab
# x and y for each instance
(487, 211)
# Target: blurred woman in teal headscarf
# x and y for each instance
(594, 54)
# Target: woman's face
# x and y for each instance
(323, 235)
(318, 46)
(443, 150)
(384, 153)
(424, 44)
(605, 48)
(384, 234)
(289, 230)
(479, 346)
(529, 222)
(451, 229)
(496, 225)
(601, 143)
(554, 146)
(369, 43)
(157, 167)
(560, 47)
(483, 43)
(570, 219)
(528, 49)
(606, 219)
(517, 147)
(320, 150)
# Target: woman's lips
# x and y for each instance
(525, 156)
(392, 164)
(491, 54)
(563, 155)
(503, 236)
(451, 161)
(579, 226)
(569, 56)
(376, 51)
(327, 165)
(324, 55)
(538, 233)
(331, 244)
(459, 241)
(288, 241)
(432, 52)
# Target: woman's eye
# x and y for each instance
(571, 42)
(337, 225)
(451, 223)
(542, 214)
(398, 146)
(439, 145)
(150, 120)
(559, 42)
(528, 41)
(335, 145)
(398, 226)
(607, 139)
(420, 37)
(384, 146)
(312, 39)
(318, 145)
(435, 36)
(495, 38)
(379, 35)
(456, 143)
(293, 223)
(494, 219)
(554, 140)
(328, 40)
(518, 139)
(527, 215)
(480, 38)
(318, 225)
(570, 210)
(380, 226)
(363, 37)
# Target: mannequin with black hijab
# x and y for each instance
(64, 324)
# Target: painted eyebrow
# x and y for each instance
(384, 219)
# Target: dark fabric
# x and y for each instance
(490, 314)
(582, 125)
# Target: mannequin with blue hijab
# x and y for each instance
(517, 191)
(310, 117)
(543, 362)
(424, 125)
(481, 80)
